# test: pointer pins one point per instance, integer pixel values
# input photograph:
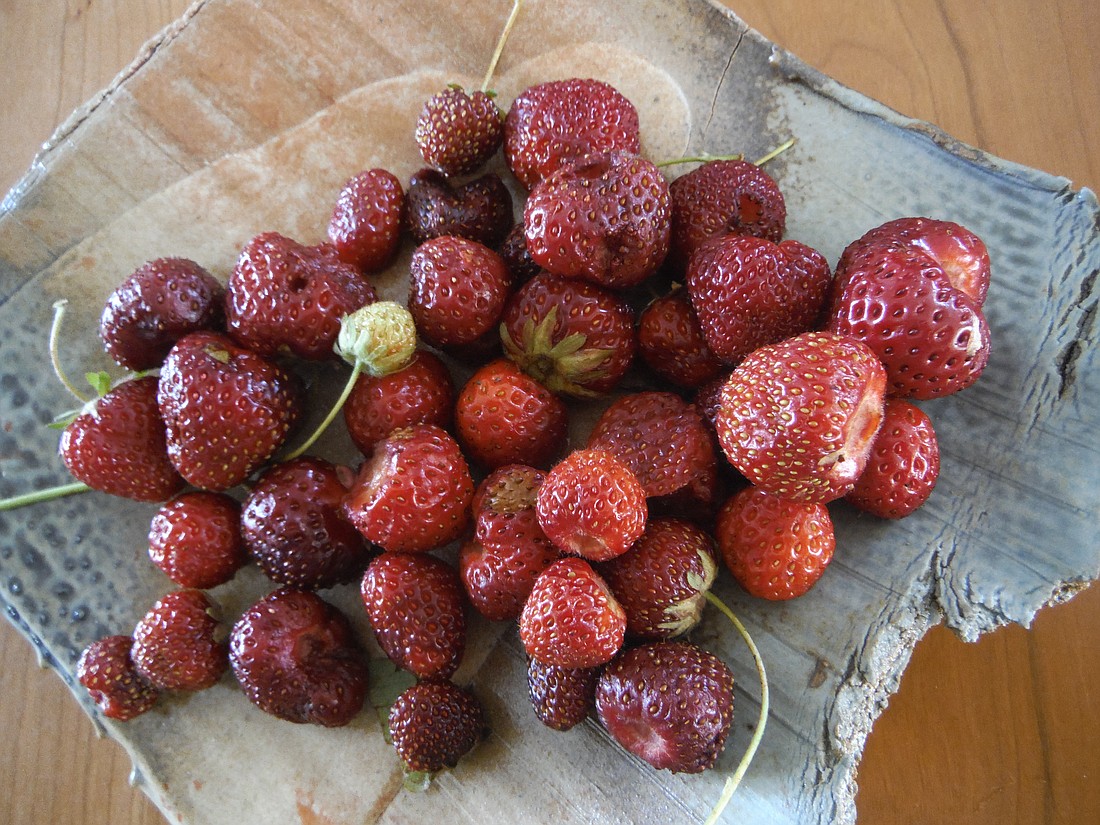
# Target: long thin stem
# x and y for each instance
(776, 152)
(500, 44)
(704, 158)
(48, 494)
(356, 371)
(55, 349)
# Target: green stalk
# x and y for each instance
(356, 371)
(49, 494)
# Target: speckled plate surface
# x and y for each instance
(202, 143)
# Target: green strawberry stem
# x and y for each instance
(500, 44)
(55, 349)
(704, 158)
(356, 371)
(734, 779)
(49, 494)
(776, 152)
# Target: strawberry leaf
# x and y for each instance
(99, 381)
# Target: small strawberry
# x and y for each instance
(775, 548)
(176, 644)
(504, 416)
(196, 539)
(416, 607)
(365, 227)
(480, 209)
(671, 342)
(668, 703)
(107, 672)
(562, 697)
(413, 493)
(435, 723)
(457, 132)
(158, 304)
(571, 619)
(904, 463)
(297, 658)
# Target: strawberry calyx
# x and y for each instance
(567, 366)
(684, 614)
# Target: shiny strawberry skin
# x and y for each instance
(196, 539)
(504, 505)
(297, 658)
(671, 342)
(107, 672)
(435, 723)
(365, 226)
(457, 131)
(561, 697)
(479, 210)
(176, 645)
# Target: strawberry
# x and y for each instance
(513, 251)
(720, 197)
(662, 580)
(904, 463)
(748, 292)
(107, 672)
(603, 218)
(504, 416)
(671, 342)
(797, 418)
(457, 132)
(435, 723)
(504, 505)
(573, 337)
(552, 123)
(668, 703)
(592, 505)
(196, 539)
(562, 697)
(365, 227)
(226, 409)
(571, 619)
(293, 525)
(416, 608)
(282, 295)
(297, 658)
(413, 493)
(775, 548)
(118, 445)
(158, 304)
(457, 290)
(480, 209)
(421, 392)
(176, 644)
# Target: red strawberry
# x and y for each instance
(421, 392)
(720, 197)
(119, 445)
(413, 494)
(107, 672)
(504, 416)
(552, 123)
(662, 580)
(286, 296)
(457, 290)
(562, 697)
(158, 304)
(573, 337)
(797, 418)
(226, 409)
(592, 505)
(571, 618)
(904, 463)
(294, 528)
(603, 218)
(297, 658)
(671, 342)
(513, 251)
(176, 644)
(748, 292)
(504, 505)
(668, 703)
(416, 608)
(457, 132)
(435, 723)
(480, 209)
(775, 548)
(365, 226)
(196, 539)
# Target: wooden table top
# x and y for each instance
(1005, 730)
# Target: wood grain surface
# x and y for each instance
(1005, 730)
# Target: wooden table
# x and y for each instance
(1006, 730)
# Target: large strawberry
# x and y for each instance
(365, 226)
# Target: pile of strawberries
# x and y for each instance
(741, 386)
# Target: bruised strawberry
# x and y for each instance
(365, 227)
(562, 697)
(504, 505)
(297, 658)
(435, 723)
(196, 539)
(107, 672)
(177, 644)
(457, 132)
(671, 342)
(513, 251)
(480, 209)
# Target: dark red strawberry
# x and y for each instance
(504, 416)
(571, 619)
(458, 131)
(282, 295)
(177, 644)
(435, 723)
(196, 539)
(413, 494)
(603, 218)
(417, 610)
(561, 697)
(775, 548)
(513, 251)
(119, 445)
(158, 304)
(297, 658)
(552, 123)
(904, 463)
(480, 209)
(671, 342)
(668, 703)
(107, 672)
(365, 226)
(226, 409)
(573, 337)
(294, 528)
